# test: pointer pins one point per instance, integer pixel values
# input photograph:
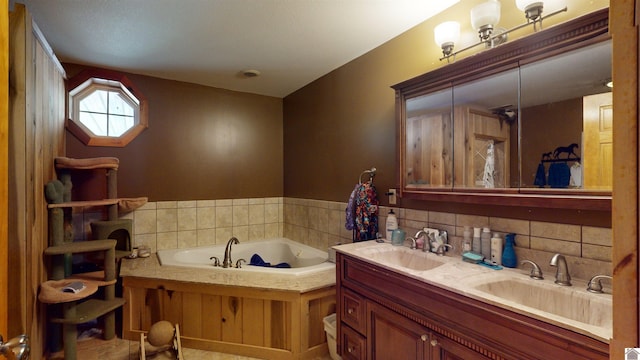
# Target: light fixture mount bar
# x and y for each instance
(496, 36)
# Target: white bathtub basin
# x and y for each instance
(303, 259)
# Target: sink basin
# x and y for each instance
(568, 302)
(405, 258)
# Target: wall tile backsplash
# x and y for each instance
(183, 224)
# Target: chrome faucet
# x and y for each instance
(227, 262)
(595, 286)
(562, 274)
(536, 272)
(440, 249)
(413, 245)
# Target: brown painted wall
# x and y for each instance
(344, 122)
(202, 143)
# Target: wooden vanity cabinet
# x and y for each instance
(406, 318)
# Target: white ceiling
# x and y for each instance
(210, 42)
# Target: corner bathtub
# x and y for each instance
(303, 259)
(260, 312)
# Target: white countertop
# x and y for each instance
(464, 278)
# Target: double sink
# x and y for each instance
(571, 307)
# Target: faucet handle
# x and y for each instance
(536, 272)
(239, 263)
(216, 261)
(595, 286)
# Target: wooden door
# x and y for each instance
(598, 141)
(393, 336)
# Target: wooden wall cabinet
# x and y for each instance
(405, 318)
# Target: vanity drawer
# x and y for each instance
(353, 345)
(353, 310)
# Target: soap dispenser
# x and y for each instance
(509, 254)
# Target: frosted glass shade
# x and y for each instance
(487, 13)
(524, 4)
(548, 5)
(447, 32)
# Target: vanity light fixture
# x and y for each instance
(485, 16)
(533, 9)
(447, 34)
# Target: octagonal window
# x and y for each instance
(105, 109)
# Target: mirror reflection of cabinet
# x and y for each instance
(521, 119)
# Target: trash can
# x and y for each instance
(330, 329)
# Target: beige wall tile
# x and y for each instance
(224, 216)
(206, 203)
(272, 230)
(597, 236)
(256, 232)
(167, 240)
(336, 220)
(221, 235)
(145, 222)
(147, 206)
(167, 219)
(166, 204)
(596, 252)
(256, 214)
(240, 215)
(509, 225)
(256, 201)
(187, 204)
(442, 218)
(416, 215)
(555, 231)
(241, 232)
(206, 217)
(472, 220)
(187, 218)
(222, 202)
(555, 246)
(271, 213)
(206, 237)
(187, 239)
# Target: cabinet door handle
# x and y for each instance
(434, 342)
(424, 337)
(349, 349)
(349, 311)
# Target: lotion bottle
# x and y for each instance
(496, 249)
(391, 224)
(466, 239)
(485, 240)
(476, 246)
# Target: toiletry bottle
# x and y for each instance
(509, 254)
(485, 240)
(391, 224)
(466, 239)
(496, 249)
(476, 246)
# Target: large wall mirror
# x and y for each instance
(527, 123)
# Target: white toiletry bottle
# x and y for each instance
(391, 224)
(496, 249)
(485, 239)
(476, 246)
(466, 239)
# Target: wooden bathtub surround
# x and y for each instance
(264, 323)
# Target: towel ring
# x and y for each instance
(371, 172)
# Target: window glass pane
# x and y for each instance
(118, 125)
(95, 102)
(96, 123)
(118, 106)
